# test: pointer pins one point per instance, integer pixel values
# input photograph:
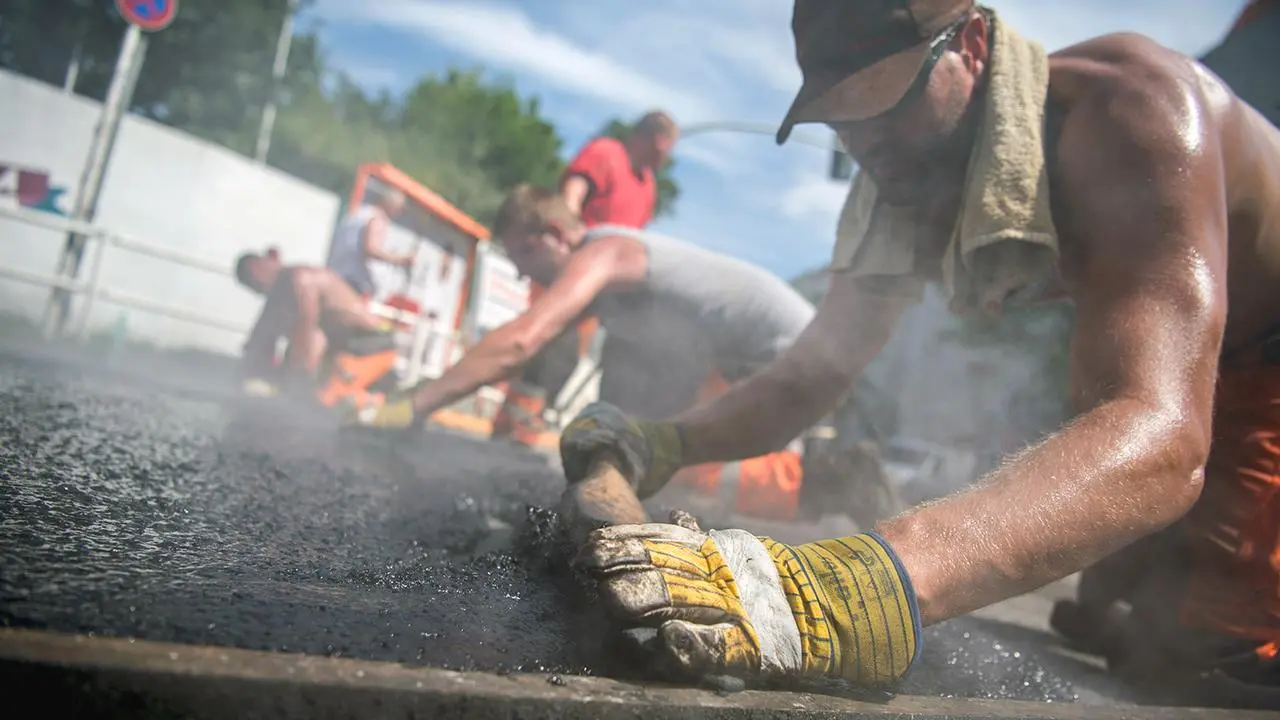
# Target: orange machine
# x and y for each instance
(361, 367)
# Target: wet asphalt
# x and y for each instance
(137, 499)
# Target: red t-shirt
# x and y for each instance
(617, 195)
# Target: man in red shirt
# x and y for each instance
(612, 182)
(609, 182)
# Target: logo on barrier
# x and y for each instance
(148, 14)
(31, 188)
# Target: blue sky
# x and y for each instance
(703, 60)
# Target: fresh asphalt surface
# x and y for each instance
(137, 498)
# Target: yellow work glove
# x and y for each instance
(258, 388)
(728, 603)
(650, 452)
(393, 414)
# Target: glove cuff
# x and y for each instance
(857, 614)
(666, 446)
(909, 593)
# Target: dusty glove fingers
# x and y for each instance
(628, 547)
(699, 650)
(258, 388)
(396, 415)
(657, 572)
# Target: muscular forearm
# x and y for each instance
(759, 416)
(574, 191)
(494, 358)
(1118, 473)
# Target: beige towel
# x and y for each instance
(1004, 243)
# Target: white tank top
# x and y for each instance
(346, 256)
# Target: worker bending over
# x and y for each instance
(309, 306)
(681, 323)
(609, 182)
(1116, 173)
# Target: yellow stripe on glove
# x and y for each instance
(728, 603)
(852, 604)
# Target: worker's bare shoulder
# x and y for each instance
(1127, 89)
(1140, 145)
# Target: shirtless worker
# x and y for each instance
(304, 304)
(1117, 173)
(673, 315)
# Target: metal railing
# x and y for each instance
(94, 291)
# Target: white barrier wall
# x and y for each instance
(162, 187)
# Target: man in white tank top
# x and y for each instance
(359, 239)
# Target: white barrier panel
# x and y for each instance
(164, 188)
(501, 294)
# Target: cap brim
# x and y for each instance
(865, 94)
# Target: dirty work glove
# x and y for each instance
(650, 452)
(728, 603)
(258, 388)
(393, 414)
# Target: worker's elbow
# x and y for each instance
(1182, 467)
(523, 348)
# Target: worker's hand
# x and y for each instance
(728, 603)
(258, 388)
(393, 414)
(648, 452)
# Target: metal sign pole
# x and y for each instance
(128, 64)
(277, 77)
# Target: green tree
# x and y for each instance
(668, 189)
(209, 73)
(466, 139)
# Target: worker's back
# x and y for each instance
(740, 316)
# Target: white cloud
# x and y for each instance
(504, 37)
(813, 197)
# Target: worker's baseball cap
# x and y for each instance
(858, 58)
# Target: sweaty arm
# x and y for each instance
(1141, 199)
(589, 172)
(607, 263)
(763, 413)
(374, 232)
(575, 190)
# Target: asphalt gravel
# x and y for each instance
(136, 499)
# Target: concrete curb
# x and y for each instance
(79, 676)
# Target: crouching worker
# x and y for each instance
(1115, 173)
(681, 323)
(319, 315)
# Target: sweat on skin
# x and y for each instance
(1165, 191)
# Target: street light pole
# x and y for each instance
(133, 49)
(277, 77)
(841, 168)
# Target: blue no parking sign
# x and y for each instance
(148, 14)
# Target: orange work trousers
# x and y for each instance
(1233, 532)
(765, 487)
